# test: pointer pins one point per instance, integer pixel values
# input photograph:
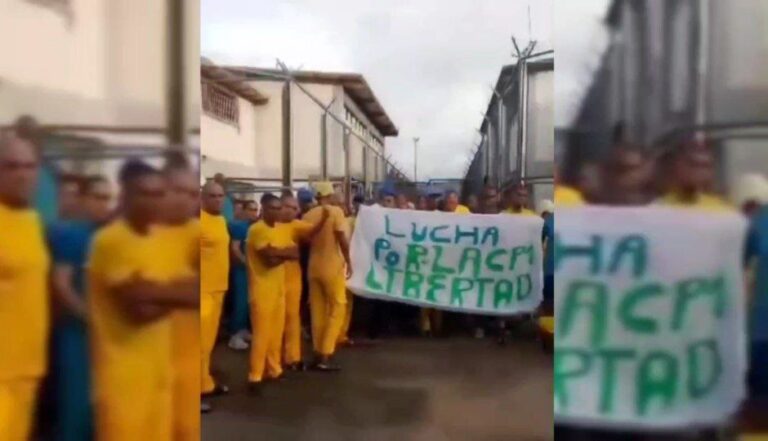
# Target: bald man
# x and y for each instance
(24, 301)
(214, 278)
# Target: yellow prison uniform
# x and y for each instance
(24, 314)
(462, 209)
(132, 367)
(327, 281)
(296, 230)
(214, 280)
(185, 243)
(567, 196)
(702, 201)
(344, 333)
(523, 212)
(266, 296)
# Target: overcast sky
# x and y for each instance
(430, 62)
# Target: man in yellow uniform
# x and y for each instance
(24, 300)
(268, 246)
(328, 258)
(182, 230)
(214, 279)
(298, 231)
(691, 171)
(566, 196)
(518, 199)
(452, 204)
(344, 339)
(133, 284)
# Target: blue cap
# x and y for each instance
(305, 195)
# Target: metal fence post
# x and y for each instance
(287, 151)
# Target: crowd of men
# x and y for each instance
(685, 177)
(271, 260)
(99, 301)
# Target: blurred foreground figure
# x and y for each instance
(182, 235)
(69, 242)
(24, 266)
(133, 284)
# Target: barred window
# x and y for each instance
(221, 104)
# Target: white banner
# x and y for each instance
(650, 323)
(485, 264)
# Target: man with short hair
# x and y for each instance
(691, 171)
(328, 262)
(69, 242)
(214, 278)
(133, 285)
(518, 200)
(69, 196)
(24, 300)
(298, 231)
(240, 335)
(452, 204)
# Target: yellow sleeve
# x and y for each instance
(258, 237)
(300, 228)
(103, 265)
(339, 221)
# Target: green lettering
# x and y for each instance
(503, 292)
(699, 384)
(436, 267)
(388, 231)
(610, 358)
(490, 260)
(491, 234)
(633, 298)
(437, 239)
(413, 259)
(657, 379)
(481, 290)
(520, 251)
(691, 289)
(473, 256)
(593, 252)
(473, 233)
(635, 248)
(590, 296)
(436, 283)
(370, 279)
(412, 285)
(569, 364)
(459, 286)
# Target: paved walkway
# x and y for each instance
(401, 389)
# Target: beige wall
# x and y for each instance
(105, 67)
(256, 149)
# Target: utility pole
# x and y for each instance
(415, 159)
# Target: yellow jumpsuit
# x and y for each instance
(267, 301)
(24, 265)
(344, 334)
(185, 240)
(132, 367)
(327, 281)
(214, 280)
(292, 341)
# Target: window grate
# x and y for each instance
(220, 104)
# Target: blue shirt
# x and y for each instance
(228, 211)
(47, 195)
(69, 242)
(547, 235)
(238, 230)
(757, 248)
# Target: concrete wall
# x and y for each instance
(105, 66)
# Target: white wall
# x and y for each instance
(105, 67)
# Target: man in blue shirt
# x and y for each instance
(228, 211)
(757, 252)
(69, 241)
(246, 214)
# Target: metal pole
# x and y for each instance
(523, 118)
(324, 146)
(416, 159)
(287, 160)
(347, 170)
(702, 69)
(175, 118)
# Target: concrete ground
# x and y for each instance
(399, 389)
